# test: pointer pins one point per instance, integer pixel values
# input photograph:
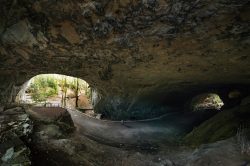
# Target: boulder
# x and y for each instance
(98, 116)
(13, 111)
(54, 116)
(50, 131)
(15, 122)
(65, 122)
(8, 155)
(16, 156)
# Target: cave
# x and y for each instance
(147, 62)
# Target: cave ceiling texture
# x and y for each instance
(124, 48)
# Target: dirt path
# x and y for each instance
(160, 131)
(49, 112)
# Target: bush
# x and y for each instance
(42, 88)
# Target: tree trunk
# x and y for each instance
(77, 91)
(65, 91)
(62, 90)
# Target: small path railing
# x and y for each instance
(127, 121)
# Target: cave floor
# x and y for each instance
(141, 143)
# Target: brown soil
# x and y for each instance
(84, 102)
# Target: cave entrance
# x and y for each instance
(206, 101)
(55, 90)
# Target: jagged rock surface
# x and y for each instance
(15, 126)
(54, 116)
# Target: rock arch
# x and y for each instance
(120, 47)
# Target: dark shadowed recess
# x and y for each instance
(177, 98)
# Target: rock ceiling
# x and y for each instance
(123, 46)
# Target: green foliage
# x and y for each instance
(88, 92)
(72, 85)
(81, 86)
(42, 88)
(206, 101)
(45, 86)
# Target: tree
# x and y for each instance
(77, 91)
(64, 88)
(42, 88)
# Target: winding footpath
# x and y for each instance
(166, 129)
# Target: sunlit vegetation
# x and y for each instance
(45, 86)
(206, 101)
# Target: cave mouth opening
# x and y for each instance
(56, 90)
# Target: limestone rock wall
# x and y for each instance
(15, 127)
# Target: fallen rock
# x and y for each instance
(54, 116)
(51, 131)
(98, 116)
(15, 122)
(16, 156)
(8, 155)
(65, 122)
(13, 111)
